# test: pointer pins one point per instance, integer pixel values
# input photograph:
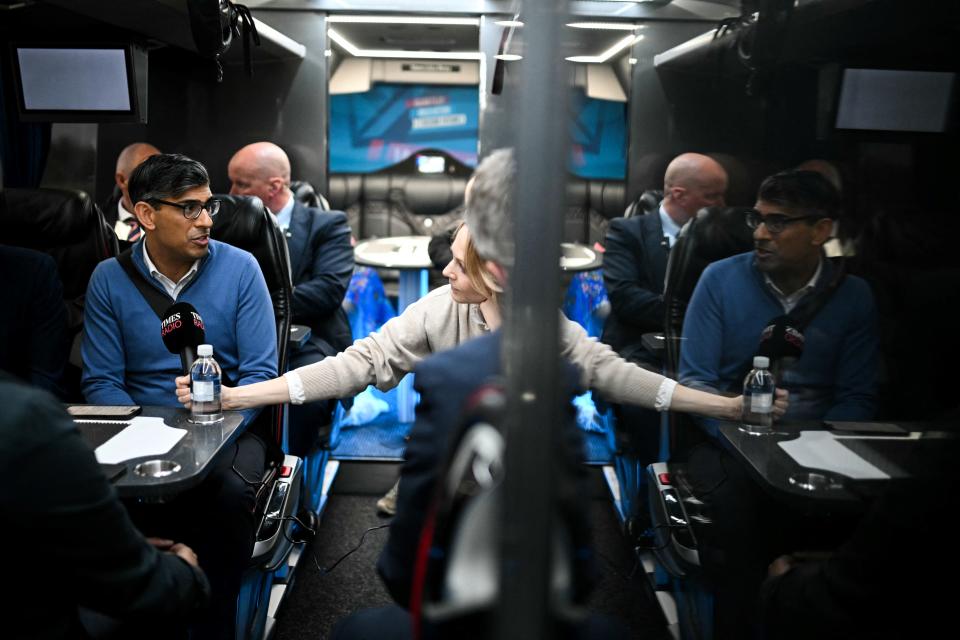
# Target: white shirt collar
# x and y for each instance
(285, 214)
(122, 214)
(670, 227)
(788, 302)
(172, 288)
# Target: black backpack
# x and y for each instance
(214, 23)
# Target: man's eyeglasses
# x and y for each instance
(191, 208)
(775, 222)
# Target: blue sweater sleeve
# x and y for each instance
(256, 331)
(856, 380)
(102, 347)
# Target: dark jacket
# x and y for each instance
(445, 382)
(71, 542)
(634, 267)
(321, 260)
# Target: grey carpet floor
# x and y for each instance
(319, 599)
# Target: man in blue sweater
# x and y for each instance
(788, 275)
(125, 361)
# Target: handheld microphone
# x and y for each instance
(182, 330)
(782, 343)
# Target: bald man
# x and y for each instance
(635, 261)
(118, 210)
(321, 260)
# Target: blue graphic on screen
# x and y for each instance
(387, 124)
(598, 138)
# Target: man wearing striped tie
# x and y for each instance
(118, 211)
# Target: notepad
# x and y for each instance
(820, 450)
(144, 437)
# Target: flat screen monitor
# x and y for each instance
(894, 100)
(81, 84)
(431, 164)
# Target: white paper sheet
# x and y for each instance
(144, 437)
(820, 450)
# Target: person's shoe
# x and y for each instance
(387, 505)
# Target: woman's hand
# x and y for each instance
(227, 394)
(781, 401)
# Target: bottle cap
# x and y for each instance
(759, 362)
(205, 350)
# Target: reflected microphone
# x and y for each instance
(182, 330)
(782, 343)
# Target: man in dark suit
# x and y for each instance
(321, 260)
(635, 261)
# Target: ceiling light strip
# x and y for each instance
(353, 50)
(468, 22)
(609, 53)
(607, 26)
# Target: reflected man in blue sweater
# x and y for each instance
(787, 274)
(125, 361)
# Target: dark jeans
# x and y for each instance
(216, 520)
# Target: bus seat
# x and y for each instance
(714, 233)
(344, 190)
(304, 193)
(648, 202)
(461, 565)
(591, 204)
(69, 227)
(245, 222)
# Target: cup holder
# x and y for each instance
(815, 481)
(156, 468)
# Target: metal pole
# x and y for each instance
(531, 344)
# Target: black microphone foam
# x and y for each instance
(782, 343)
(182, 330)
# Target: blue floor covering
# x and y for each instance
(383, 439)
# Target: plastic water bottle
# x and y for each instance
(758, 392)
(205, 387)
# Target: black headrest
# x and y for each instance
(45, 218)
(65, 224)
(434, 195)
(715, 233)
(577, 193)
(304, 193)
(246, 223)
(345, 190)
(607, 197)
(720, 232)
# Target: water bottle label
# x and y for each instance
(761, 402)
(202, 391)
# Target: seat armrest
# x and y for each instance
(299, 334)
